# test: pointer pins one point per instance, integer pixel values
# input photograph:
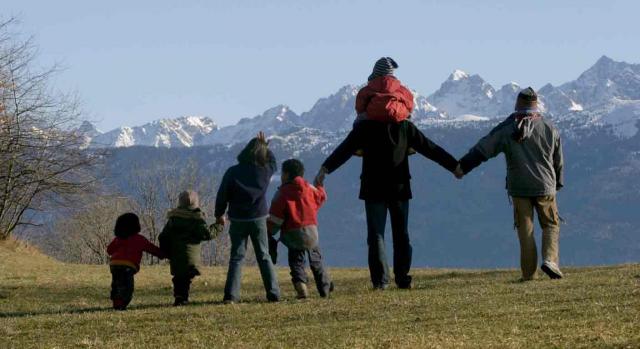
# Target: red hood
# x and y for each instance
(385, 84)
(298, 185)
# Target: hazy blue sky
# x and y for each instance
(135, 61)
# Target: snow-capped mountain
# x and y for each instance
(605, 80)
(603, 95)
(181, 132)
(277, 120)
(333, 113)
(464, 94)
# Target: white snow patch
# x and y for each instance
(471, 117)
(575, 106)
(459, 75)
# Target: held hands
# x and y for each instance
(319, 180)
(459, 173)
(220, 221)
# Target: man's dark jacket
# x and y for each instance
(385, 161)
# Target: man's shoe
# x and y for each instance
(228, 302)
(552, 270)
(180, 301)
(301, 290)
(380, 287)
(407, 286)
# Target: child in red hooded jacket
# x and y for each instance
(126, 253)
(384, 98)
(294, 211)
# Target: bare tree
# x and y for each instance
(41, 157)
(83, 236)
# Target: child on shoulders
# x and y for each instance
(384, 98)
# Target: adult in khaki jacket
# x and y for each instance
(533, 151)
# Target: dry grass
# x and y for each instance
(48, 304)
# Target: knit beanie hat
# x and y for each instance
(384, 66)
(527, 101)
(188, 199)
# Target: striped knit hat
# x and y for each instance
(384, 66)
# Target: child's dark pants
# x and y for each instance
(182, 283)
(121, 285)
(320, 275)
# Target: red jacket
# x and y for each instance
(385, 99)
(129, 251)
(296, 205)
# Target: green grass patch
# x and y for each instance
(44, 303)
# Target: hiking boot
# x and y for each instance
(119, 304)
(327, 293)
(552, 270)
(301, 290)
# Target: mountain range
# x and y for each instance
(608, 93)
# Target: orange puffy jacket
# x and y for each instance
(385, 99)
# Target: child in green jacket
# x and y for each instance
(180, 239)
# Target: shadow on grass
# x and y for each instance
(89, 310)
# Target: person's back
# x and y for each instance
(126, 251)
(243, 191)
(294, 212)
(533, 152)
(385, 188)
(180, 238)
(295, 207)
(385, 164)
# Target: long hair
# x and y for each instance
(256, 152)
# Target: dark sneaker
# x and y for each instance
(380, 287)
(406, 286)
(552, 270)
(179, 301)
(228, 302)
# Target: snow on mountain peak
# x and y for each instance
(458, 75)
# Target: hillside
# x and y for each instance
(49, 304)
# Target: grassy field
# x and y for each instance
(44, 303)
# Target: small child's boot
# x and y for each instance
(301, 290)
(179, 301)
(119, 304)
